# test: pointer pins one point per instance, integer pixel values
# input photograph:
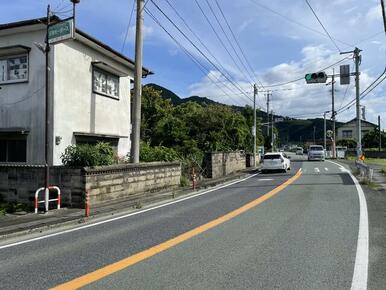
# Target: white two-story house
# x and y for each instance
(89, 93)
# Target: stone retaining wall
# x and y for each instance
(224, 163)
(104, 184)
(126, 181)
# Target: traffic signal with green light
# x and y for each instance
(316, 78)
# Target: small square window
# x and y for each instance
(13, 69)
(13, 148)
(105, 83)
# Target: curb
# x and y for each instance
(164, 197)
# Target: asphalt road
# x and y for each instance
(304, 237)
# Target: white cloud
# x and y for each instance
(374, 13)
(296, 99)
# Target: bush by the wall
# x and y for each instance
(88, 155)
(157, 153)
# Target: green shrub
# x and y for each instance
(88, 155)
(12, 207)
(184, 181)
(157, 153)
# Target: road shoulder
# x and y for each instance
(376, 204)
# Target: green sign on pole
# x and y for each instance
(61, 31)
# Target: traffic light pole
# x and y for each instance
(357, 58)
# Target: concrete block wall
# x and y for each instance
(19, 183)
(220, 164)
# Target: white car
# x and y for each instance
(299, 151)
(316, 152)
(276, 161)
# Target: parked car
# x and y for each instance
(299, 151)
(316, 152)
(276, 161)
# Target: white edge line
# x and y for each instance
(359, 280)
(123, 216)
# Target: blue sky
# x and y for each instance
(281, 41)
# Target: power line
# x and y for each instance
(295, 22)
(344, 97)
(23, 99)
(128, 27)
(238, 44)
(198, 49)
(231, 45)
(324, 28)
(302, 78)
(200, 66)
(198, 38)
(219, 38)
(190, 55)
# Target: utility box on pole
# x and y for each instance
(345, 74)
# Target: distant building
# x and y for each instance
(89, 93)
(348, 130)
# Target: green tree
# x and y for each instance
(154, 108)
(371, 139)
(192, 129)
(349, 143)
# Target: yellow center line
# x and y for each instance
(136, 258)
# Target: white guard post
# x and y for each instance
(46, 197)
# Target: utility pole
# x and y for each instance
(314, 135)
(268, 95)
(359, 125)
(273, 136)
(383, 14)
(254, 124)
(333, 114)
(380, 133)
(136, 128)
(47, 114)
(324, 131)
(358, 60)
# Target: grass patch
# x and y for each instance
(372, 185)
(376, 161)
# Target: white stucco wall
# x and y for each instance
(22, 104)
(77, 108)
